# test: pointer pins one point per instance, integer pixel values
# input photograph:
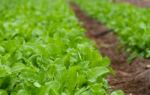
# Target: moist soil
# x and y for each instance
(134, 78)
(140, 3)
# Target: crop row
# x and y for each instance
(132, 24)
(43, 51)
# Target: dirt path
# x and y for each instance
(133, 79)
(141, 3)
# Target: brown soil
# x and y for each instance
(141, 3)
(133, 79)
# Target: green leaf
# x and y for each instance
(36, 84)
(18, 67)
(2, 49)
(118, 92)
(3, 92)
(22, 92)
(97, 72)
(4, 71)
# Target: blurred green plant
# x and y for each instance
(132, 24)
(43, 51)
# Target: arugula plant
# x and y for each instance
(43, 51)
(131, 24)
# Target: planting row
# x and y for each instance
(43, 51)
(132, 24)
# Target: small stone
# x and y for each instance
(148, 66)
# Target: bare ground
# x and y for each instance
(140, 3)
(133, 79)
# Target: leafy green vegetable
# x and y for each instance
(131, 23)
(43, 51)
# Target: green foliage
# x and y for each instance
(118, 92)
(131, 23)
(43, 51)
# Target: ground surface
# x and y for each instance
(141, 3)
(133, 79)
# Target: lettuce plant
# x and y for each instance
(131, 24)
(43, 51)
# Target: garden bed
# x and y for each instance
(141, 3)
(133, 78)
